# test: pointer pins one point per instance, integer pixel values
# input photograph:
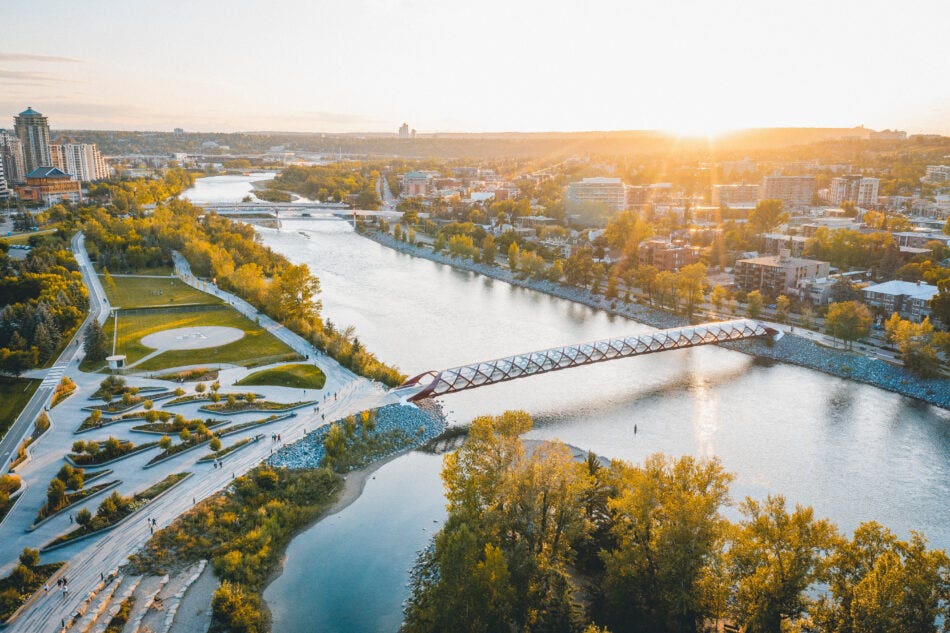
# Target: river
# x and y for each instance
(852, 451)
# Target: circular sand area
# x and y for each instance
(192, 337)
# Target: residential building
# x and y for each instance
(608, 192)
(794, 191)
(415, 184)
(937, 173)
(730, 195)
(667, 254)
(56, 158)
(888, 135)
(777, 274)
(909, 299)
(776, 242)
(33, 130)
(11, 155)
(739, 167)
(404, 130)
(858, 189)
(5, 191)
(49, 186)
(918, 239)
(84, 161)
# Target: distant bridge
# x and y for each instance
(294, 210)
(439, 383)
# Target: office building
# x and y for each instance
(5, 191)
(730, 195)
(858, 189)
(794, 191)
(909, 299)
(777, 274)
(607, 192)
(49, 186)
(32, 128)
(11, 155)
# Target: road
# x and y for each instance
(70, 354)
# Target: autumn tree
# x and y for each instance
(754, 304)
(848, 321)
(773, 557)
(767, 215)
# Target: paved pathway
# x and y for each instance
(344, 393)
(69, 356)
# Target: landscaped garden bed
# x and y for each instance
(177, 425)
(94, 453)
(113, 510)
(220, 454)
(246, 405)
(188, 441)
(237, 428)
(297, 376)
(64, 389)
(25, 580)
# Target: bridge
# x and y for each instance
(294, 210)
(439, 383)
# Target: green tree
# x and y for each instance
(668, 532)
(237, 610)
(773, 558)
(690, 283)
(55, 495)
(767, 215)
(754, 304)
(165, 442)
(30, 557)
(95, 344)
(84, 517)
(718, 297)
(848, 321)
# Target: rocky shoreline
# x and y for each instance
(308, 452)
(790, 349)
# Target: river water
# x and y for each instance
(852, 451)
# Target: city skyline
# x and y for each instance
(368, 66)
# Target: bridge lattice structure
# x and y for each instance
(437, 383)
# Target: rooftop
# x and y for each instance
(30, 112)
(896, 287)
(47, 172)
(780, 260)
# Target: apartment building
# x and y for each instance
(667, 255)
(858, 189)
(937, 173)
(609, 192)
(11, 155)
(909, 299)
(32, 128)
(794, 191)
(735, 195)
(777, 274)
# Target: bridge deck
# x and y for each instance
(437, 383)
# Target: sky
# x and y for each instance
(685, 66)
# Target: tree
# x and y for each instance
(690, 282)
(200, 387)
(237, 610)
(30, 557)
(215, 444)
(916, 344)
(292, 295)
(250, 397)
(489, 250)
(55, 495)
(782, 306)
(718, 297)
(668, 532)
(773, 558)
(165, 442)
(754, 304)
(767, 215)
(878, 583)
(514, 256)
(94, 342)
(849, 321)
(84, 517)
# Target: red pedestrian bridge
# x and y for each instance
(439, 383)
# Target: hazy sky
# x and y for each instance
(492, 65)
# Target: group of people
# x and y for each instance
(62, 584)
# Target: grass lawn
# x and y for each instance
(24, 238)
(135, 292)
(14, 394)
(256, 343)
(299, 376)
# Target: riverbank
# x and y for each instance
(790, 349)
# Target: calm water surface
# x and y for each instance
(853, 452)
